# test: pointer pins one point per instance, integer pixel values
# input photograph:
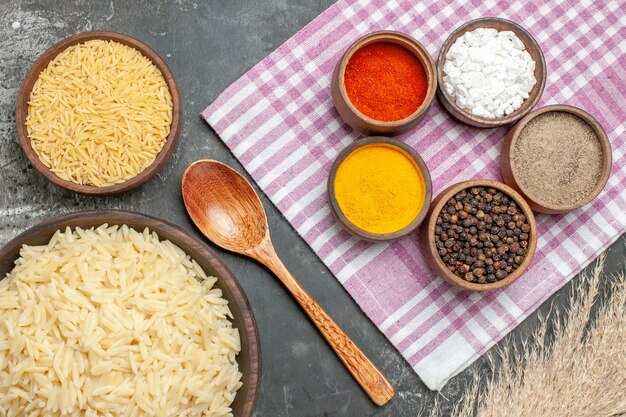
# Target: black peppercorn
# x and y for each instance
(481, 235)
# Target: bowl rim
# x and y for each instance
(23, 97)
(407, 151)
(605, 145)
(527, 105)
(428, 234)
(409, 43)
(183, 238)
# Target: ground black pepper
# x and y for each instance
(481, 234)
(558, 159)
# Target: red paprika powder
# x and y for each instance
(385, 81)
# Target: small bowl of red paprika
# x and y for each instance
(384, 84)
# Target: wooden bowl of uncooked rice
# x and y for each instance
(105, 314)
(98, 113)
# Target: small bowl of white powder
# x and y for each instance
(491, 72)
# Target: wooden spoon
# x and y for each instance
(228, 212)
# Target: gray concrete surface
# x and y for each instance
(208, 45)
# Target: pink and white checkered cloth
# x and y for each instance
(279, 121)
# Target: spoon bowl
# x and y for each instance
(225, 208)
(228, 212)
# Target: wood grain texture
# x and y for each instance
(21, 112)
(360, 366)
(249, 359)
(359, 121)
(341, 217)
(511, 176)
(228, 212)
(533, 49)
(428, 236)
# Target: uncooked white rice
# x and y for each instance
(113, 322)
(99, 113)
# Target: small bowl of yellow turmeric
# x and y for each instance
(379, 189)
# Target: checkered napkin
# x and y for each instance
(279, 121)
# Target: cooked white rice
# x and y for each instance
(113, 322)
(99, 113)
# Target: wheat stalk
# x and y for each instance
(581, 372)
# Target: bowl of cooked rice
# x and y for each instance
(99, 113)
(121, 314)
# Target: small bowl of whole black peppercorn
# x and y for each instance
(479, 235)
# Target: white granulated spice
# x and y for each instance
(488, 73)
(16, 25)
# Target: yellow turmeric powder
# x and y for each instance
(379, 188)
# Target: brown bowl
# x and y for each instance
(533, 49)
(511, 176)
(364, 124)
(341, 217)
(428, 235)
(249, 359)
(21, 112)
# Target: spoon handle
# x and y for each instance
(362, 369)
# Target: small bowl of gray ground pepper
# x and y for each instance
(480, 235)
(558, 157)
